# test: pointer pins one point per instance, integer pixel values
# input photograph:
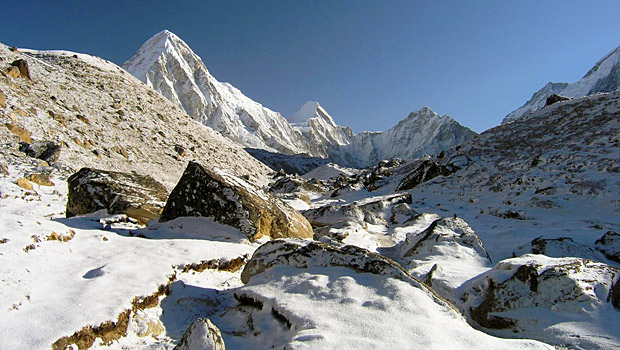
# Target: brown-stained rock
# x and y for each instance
(13, 72)
(24, 183)
(201, 335)
(22, 65)
(23, 133)
(232, 201)
(40, 179)
(137, 196)
(2, 100)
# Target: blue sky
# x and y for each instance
(369, 63)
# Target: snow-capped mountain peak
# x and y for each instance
(309, 110)
(603, 77)
(168, 65)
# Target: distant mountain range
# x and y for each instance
(168, 65)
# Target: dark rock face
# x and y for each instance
(609, 245)
(231, 201)
(201, 335)
(427, 170)
(137, 196)
(23, 68)
(44, 150)
(555, 98)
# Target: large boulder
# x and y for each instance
(137, 196)
(232, 201)
(201, 335)
(427, 169)
(309, 254)
(547, 299)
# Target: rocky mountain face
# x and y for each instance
(603, 77)
(168, 65)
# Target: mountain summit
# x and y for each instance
(167, 64)
(603, 77)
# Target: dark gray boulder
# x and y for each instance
(44, 150)
(137, 196)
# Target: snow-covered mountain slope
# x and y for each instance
(168, 65)
(319, 129)
(603, 77)
(422, 132)
(101, 117)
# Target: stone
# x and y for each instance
(426, 170)
(555, 98)
(22, 65)
(24, 183)
(137, 196)
(23, 133)
(229, 200)
(514, 293)
(202, 334)
(13, 72)
(2, 100)
(609, 245)
(40, 179)
(558, 248)
(47, 151)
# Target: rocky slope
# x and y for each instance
(168, 65)
(101, 117)
(603, 77)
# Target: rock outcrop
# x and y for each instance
(426, 170)
(201, 335)
(137, 196)
(535, 296)
(559, 248)
(232, 201)
(609, 245)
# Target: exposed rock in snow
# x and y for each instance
(349, 298)
(137, 196)
(307, 254)
(609, 245)
(201, 335)
(425, 170)
(559, 248)
(232, 201)
(446, 254)
(168, 65)
(603, 77)
(546, 299)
